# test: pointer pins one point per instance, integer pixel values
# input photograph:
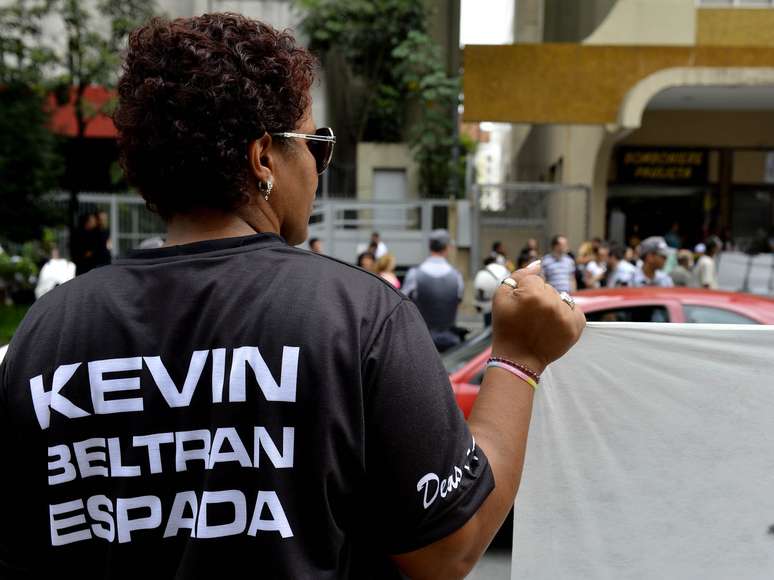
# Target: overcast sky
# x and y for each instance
(486, 22)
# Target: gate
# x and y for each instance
(514, 212)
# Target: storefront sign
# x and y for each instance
(662, 165)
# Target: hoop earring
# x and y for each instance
(266, 187)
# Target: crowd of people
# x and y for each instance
(602, 264)
(437, 287)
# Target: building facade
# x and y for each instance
(663, 108)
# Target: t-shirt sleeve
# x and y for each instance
(425, 475)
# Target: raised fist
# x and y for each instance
(531, 323)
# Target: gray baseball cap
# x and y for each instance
(654, 245)
(441, 236)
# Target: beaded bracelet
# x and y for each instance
(525, 369)
(514, 371)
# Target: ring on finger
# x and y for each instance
(567, 299)
(510, 282)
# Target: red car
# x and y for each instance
(465, 364)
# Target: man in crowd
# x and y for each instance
(379, 247)
(315, 245)
(705, 272)
(654, 252)
(681, 274)
(500, 255)
(437, 289)
(559, 267)
(596, 270)
(620, 271)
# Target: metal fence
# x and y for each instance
(740, 272)
(345, 226)
(512, 212)
(130, 222)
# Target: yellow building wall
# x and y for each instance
(574, 84)
(735, 27)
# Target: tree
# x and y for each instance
(87, 53)
(30, 163)
(364, 33)
(91, 55)
(397, 73)
(433, 138)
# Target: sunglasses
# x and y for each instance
(320, 145)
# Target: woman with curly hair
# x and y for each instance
(229, 405)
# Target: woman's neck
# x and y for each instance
(198, 226)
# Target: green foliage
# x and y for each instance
(365, 33)
(10, 317)
(29, 163)
(17, 275)
(387, 49)
(23, 55)
(434, 137)
(33, 64)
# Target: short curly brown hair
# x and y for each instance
(193, 94)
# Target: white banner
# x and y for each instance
(651, 456)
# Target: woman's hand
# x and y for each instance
(531, 324)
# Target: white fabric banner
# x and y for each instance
(651, 456)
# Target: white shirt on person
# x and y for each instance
(660, 279)
(705, 273)
(623, 275)
(596, 270)
(486, 282)
(381, 250)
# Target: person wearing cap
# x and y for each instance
(437, 289)
(698, 251)
(704, 272)
(653, 252)
(682, 274)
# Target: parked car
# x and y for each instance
(465, 363)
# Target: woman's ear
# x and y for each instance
(260, 156)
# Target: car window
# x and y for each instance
(478, 378)
(459, 356)
(630, 314)
(710, 315)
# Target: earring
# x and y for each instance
(266, 187)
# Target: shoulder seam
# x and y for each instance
(352, 267)
(379, 332)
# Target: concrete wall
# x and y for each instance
(648, 22)
(372, 156)
(570, 155)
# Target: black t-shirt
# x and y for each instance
(237, 407)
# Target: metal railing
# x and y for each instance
(345, 226)
(130, 221)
